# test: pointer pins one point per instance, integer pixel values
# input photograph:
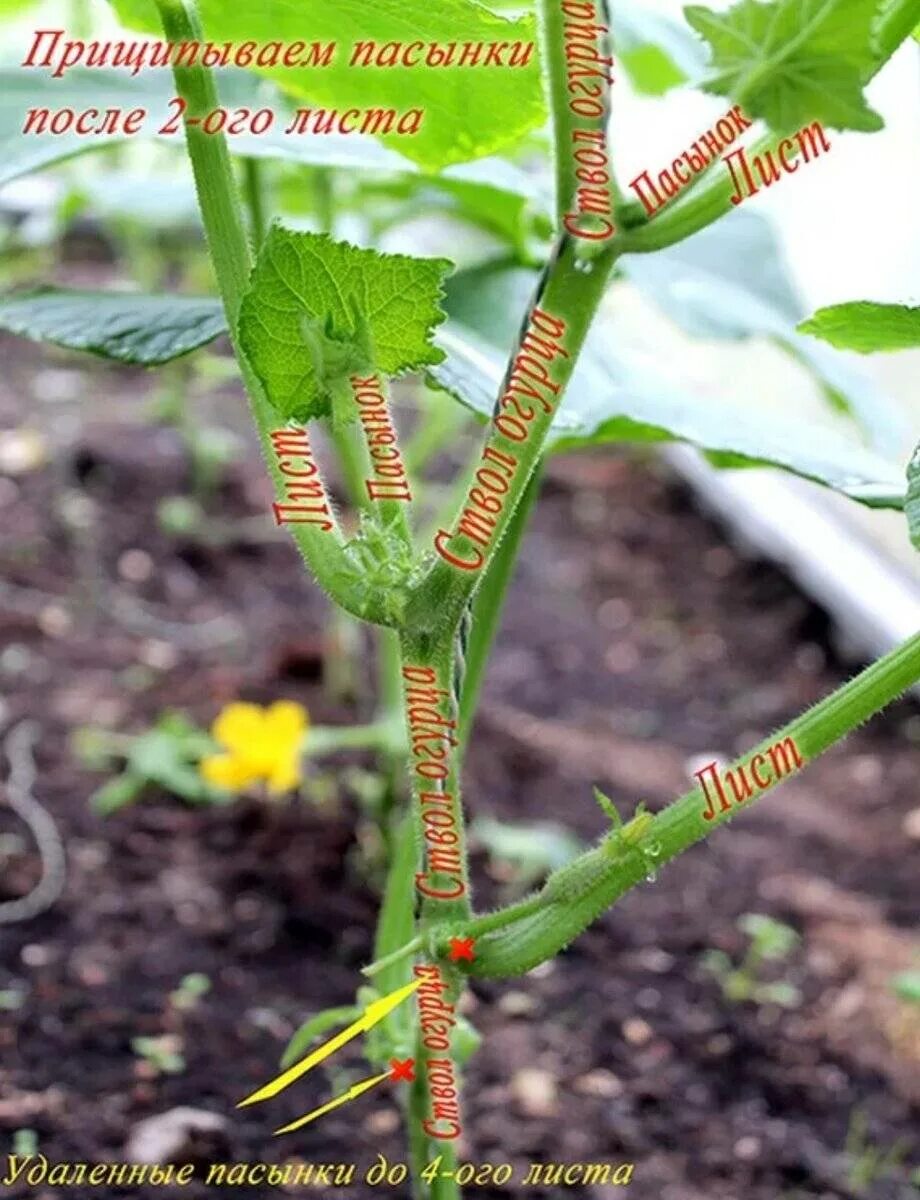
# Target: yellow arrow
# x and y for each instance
(352, 1094)
(372, 1015)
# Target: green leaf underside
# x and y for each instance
(793, 62)
(912, 507)
(102, 89)
(618, 395)
(460, 104)
(730, 282)
(318, 311)
(866, 326)
(145, 330)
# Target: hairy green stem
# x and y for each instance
(708, 196)
(228, 246)
(327, 739)
(571, 291)
(352, 457)
(518, 938)
(487, 606)
(567, 298)
(432, 709)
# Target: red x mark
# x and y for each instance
(402, 1072)
(461, 948)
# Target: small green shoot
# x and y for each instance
(770, 941)
(868, 1164)
(25, 1143)
(190, 991)
(906, 986)
(11, 999)
(164, 756)
(163, 1054)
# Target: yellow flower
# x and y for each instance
(261, 744)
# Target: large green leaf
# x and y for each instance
(794, 61)
(618, 394)
(461, 104)
(318, 311)
(83, 89)
(866, 326)
(729, 282)
(147, 330)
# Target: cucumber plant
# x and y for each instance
(319, 326)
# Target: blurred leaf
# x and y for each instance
(535, 847)
(317, 311)
(786, 995)
(657, 52)
(912, 508)
(907, 986)
(865, 326)
(466, 1040)
(792, 62)
(459, 103)
(773, 939)
(131, 328)
(730, 282)
(302, 1040)
(165, 755)
(102, 89)
(116, 794)
(619, 394)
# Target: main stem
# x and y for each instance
(565, 302)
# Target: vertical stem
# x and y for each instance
(451, 898)
(487, 606)
(349, 450)
(423, 1149)
(219, 201)
(254, 185)
(324, 195)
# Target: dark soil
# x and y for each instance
(636, 641)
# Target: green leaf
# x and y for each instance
(164, 755)
(912, 508)
(793, 62)
(460, 104)
(329, 1018)
(865, 326)
(620, 393)
(82, 89)
(730, 282)
(895, 21)
(116, 794)
(317, 311)
(146, 330)
(657, 53)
